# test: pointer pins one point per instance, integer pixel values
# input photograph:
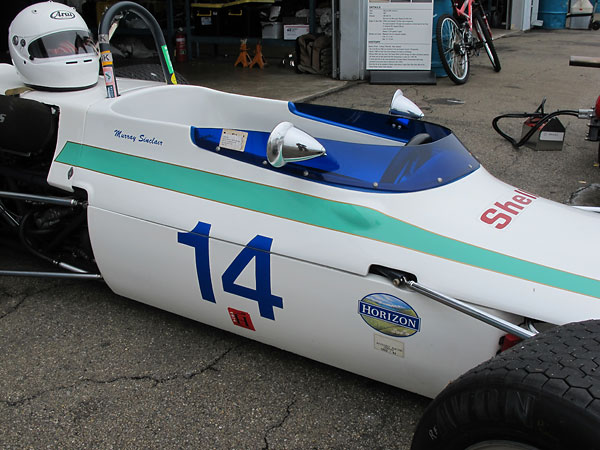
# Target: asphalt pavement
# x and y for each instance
(81, 367)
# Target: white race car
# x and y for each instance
(374, 243)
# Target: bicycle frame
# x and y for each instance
(468, 21)
(465, 12)
(460, 12)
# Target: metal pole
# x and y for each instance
(188, 30)
(466, 308)
(334, 40)
(170, 26)
(400, 279)
(42, 199)
(8, 217)
(27, 273)
(312, 23)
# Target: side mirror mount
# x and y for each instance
(289, 144)
(404, 107)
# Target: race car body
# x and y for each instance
(371, 242)
(185, 214)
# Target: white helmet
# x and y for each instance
(52, 48)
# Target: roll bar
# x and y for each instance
(113, 15)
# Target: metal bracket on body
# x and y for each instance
(399, 279)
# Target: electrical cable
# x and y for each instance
(540, 117)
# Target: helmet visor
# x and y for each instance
(63, 43)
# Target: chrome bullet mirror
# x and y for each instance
(289, 144)
(404, 107)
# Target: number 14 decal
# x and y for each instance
(258, 249)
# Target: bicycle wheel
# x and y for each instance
(452, 49)
(485, 37)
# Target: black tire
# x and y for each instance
(452, 49)
(148, 72)
(543, 393)
(485, 37)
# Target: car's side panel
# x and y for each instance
(437, 234)
(286, 260)
(305, 308)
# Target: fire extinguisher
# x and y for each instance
(180, 46)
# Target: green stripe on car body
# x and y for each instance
(343, 217)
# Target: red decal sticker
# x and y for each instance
(241, 318)
(501, 214)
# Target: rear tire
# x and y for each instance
(544, 393)
(483, 32)
(452, 50)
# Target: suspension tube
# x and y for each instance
(42, 199)
(400, 279)
(31, 273)
(8, 217)
(470, 310)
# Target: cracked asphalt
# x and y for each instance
(84, 368)
(81, 367)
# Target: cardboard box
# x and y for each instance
(291, 32)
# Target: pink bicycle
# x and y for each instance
(463, 35)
